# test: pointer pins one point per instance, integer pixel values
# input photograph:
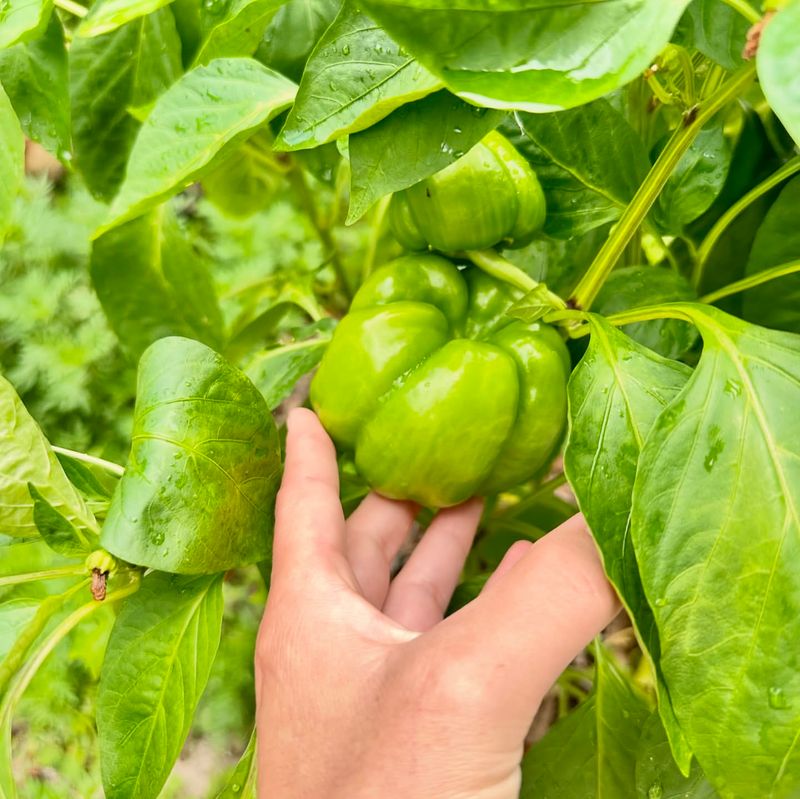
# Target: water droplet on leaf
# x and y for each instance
(777, 698)
(346, 50)
(655, 791)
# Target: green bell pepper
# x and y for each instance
(489, 196)
(440, 395)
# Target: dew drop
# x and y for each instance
(158, 537)
(236, 787)
(733, 388)
(346, 50)
(655, 791)
(660, 602)
(777, 698)
(456, 130)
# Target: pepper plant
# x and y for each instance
(604, 201)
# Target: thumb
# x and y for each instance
(530, 622)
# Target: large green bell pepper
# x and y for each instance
(489, 196)
(440, 394)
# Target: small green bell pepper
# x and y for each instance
(489, 196)
(440, 395)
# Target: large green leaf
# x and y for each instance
(636, 286)
(12, 159)
(21, 20)
(26, 457)
(697, 179)
(777, 241)
(156, 667)
(293, 33)
(533, 55)
(108, 15)
(615, 394)
(355, 77)
(777, 66)
(716, 29)
(35, 77)
(716, 530)
(152, 283)
(412, 143)
(109, 74)
(198, 492)
(191, 124)
(232, 27)
(591, 753)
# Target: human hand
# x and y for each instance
(363, 690)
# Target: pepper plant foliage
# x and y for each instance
(664, 135)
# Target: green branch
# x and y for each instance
(72, 8)
(108, 466)
(587, 289)
(721, 225)
(753, 280)
(46, 574)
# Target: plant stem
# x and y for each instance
(378, 218)
(46, 574)
(753, 280)
(73, 8)
(547, 487)
(114, 468)
(303, 193)
(745, 9)
(633, 216)
(721, 225)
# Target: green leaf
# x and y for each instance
(591, 752)
(82, 477)
(697, 179)
(777, 66)
(531, 55)
(57, 531)
(716, 29)
(108, 15)
(164, 289)
(198, 492)
(615, 395)
(410, 144)
(275, 371)
(637, 286)
(716, 530)
(777, 303)
(242, 782)
(109, 74)
(657, 774)
(232, 27)
(157, 664)
(12, 159)
(21, 20)
(355, 77)
(26, 457)
(190, 126)
(35, 77)
(293, 33)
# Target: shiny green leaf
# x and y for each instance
(716, 29)
(232, 27)
(109, 74)
(190, 126)
(615, 395)
(164, 289)
(22, 20)
(198, 492)
(591, 753)
(57, 531)
(293, 33)
(355, 77)
(411, 144)
(12, 159)
(35, 78)
(26, 457)
(242, 782)
(156, 667)
(716, 531)
(637, 286)
(776, 303)
(108, 15)
(531, 55)
(777, 66)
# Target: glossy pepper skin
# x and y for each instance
(490, 195)
(437, 393)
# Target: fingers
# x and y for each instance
(309, 523)
(535, 617)
(375, 532)
(419, 595)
